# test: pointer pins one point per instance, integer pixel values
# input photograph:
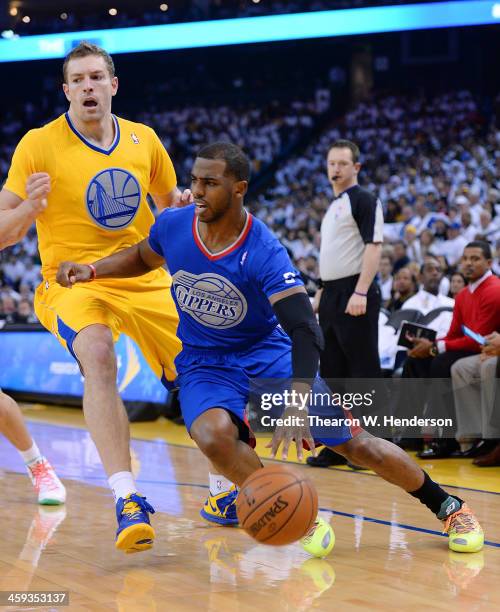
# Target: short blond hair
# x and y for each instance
(85, 49)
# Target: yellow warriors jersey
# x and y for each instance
(97, 204)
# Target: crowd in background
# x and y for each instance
(129, 14)
(434, 162)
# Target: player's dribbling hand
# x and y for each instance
(70, 273)
(295, 432)
(37, 190)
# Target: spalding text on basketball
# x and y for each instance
(279, 505)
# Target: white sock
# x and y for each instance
(218, 484)
(31, 455)
(122, 484)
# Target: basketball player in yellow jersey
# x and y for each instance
(85, 177)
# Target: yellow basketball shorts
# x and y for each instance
(142, 308)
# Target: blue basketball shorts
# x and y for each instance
(209, 379)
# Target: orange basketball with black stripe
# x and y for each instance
(277, 505)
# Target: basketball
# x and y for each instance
(277, 505)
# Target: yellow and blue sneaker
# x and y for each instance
(134, 532)
(464, 531)
(221, 508)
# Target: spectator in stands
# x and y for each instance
(412, 243)
(404, 287)
(475, 386)
(13, 270)
(486, 227)
(31, 275)
(393, 212)
(469, 230)
(384, 278)
(401, 258)
(307, 269)
(426, 240)
(477, 308)
(444, 285)
(9, 308)
(423, 218)
(440, 229)
(24, 313)
(428, 297)
(457, 283)
(453, 247)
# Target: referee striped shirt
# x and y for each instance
(353, 219)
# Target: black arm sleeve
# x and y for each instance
(296, 317)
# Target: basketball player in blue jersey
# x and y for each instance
(236, 290)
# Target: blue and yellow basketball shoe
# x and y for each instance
(221, 508)
(134, 532)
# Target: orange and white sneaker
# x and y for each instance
(464, 531)
(50, 489)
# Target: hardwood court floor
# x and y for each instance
(389, 553)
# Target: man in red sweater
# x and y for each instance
(477, 306)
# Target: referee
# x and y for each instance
(348, 301)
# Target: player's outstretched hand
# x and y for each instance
(37, 190)
(297, 431)
(70, 273)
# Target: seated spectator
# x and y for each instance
(475, 384)
(404, 287)
(444, 285)
(469, 230)
(393, 212)
(25, 292)
(384, 278)
(428, 297)
(31, 275)
(13, 271)
(308, 273)
(423, 218)
(24, 313)
(9, 308)
(486, 226)
(457, 283)
(426, 240)
(453, 247)
(401, 258)
(440, 228)
(412, 243)
(477, 307)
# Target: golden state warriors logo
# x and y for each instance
(210, 299)
(113, 197)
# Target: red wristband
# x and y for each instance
(361, 294)
(94, 273)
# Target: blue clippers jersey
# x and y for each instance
(222, 299)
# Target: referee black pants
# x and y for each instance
(351, 343)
